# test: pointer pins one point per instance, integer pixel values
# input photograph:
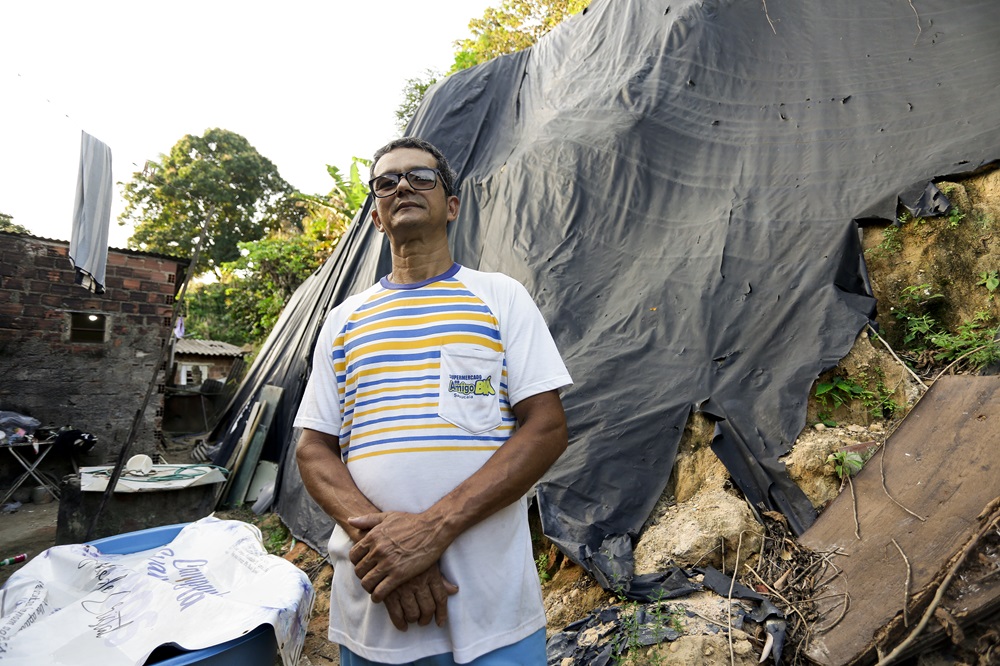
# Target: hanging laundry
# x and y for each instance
(88, 247)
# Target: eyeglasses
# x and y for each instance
(424, 178)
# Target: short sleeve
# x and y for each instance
(320, 405)
(533, 361)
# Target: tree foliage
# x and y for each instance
(7, 224)
(413, 94)
(220, 177)
(243, 305)
(513, 26)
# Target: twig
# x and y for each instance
(929, 613)
(778, 594)
(707, 619)
(768, 17)
(906, 367)
(825, 596)
(843, 612)
(837, 570)
(885, 489)
(919, 29)
(906, 585)
(729, 605)
(968, 353)
(706, 555)
(854, 503)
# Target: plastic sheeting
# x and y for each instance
(678, 185)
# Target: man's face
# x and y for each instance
(412, 213)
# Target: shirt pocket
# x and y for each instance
(469, 391)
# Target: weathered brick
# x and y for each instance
(35, 311)
(11, 309)
(51, 300)
(131, 283)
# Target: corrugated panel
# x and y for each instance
(207, 348)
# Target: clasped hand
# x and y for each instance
(396, 561)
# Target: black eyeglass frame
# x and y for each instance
(401, 176)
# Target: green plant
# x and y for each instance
(892, 242)
(275, 538)
(955, 217)
(876, 396)
(990, 280)
(846, 463)
(912, 311)
(974, 341)
(835, 393)
(983, 220)
(640, 626)
(542, 564)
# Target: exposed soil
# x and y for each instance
(30, 529)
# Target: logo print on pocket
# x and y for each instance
(466, 386)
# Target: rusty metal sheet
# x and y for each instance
(941, 463)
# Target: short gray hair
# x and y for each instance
(447, 173)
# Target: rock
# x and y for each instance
(696, 466)
(698, 651)
(693, 531)
(808, 467)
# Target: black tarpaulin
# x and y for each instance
(678, 185)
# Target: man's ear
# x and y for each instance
(453, 205)
(377, 222)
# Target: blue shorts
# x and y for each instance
(526, 652)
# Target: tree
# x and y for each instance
(243, 305)
(513, 26)
(218, 176)
(7, 224)
(413, 94)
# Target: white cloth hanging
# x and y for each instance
(88, 246)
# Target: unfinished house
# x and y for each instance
(69, 357)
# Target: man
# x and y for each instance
(432, 409)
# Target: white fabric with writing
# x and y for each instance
(214, 582)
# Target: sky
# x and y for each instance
(296, 78)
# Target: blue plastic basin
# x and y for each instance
(256, 648)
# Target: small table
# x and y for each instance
(42, 448)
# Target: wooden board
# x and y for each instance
(252, 420)
(243, 472)
(941, 463)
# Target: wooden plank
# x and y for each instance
(236, 455)
(252, 420)
(270, 396)
(941, 464)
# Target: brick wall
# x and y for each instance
(95, 386)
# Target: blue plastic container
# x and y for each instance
(256, 648)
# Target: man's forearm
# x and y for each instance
(510, 472)
(328, 481)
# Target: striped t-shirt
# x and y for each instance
(418, 383)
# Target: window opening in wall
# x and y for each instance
(192, 375)
(87, 327)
